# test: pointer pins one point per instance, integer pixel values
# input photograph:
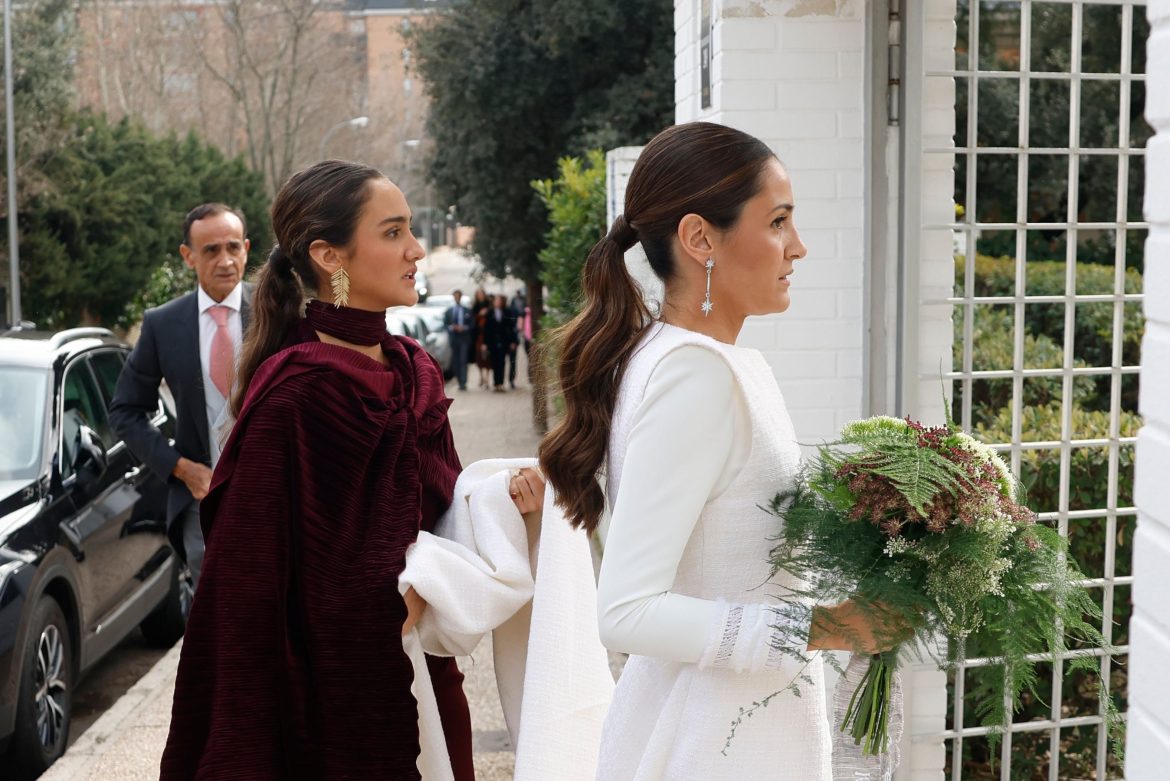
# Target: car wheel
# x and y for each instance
(46, 692)
(166, 624)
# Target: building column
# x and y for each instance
(1148, 749)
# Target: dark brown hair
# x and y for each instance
(696, 168)
(323, 202)
(209, 210)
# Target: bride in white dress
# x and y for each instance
(691, 438)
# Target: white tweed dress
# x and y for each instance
(669, 719)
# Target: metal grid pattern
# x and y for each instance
(973, 74)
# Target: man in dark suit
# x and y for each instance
(459, 325)
(519, 307)
(499, 334)
(192, 343)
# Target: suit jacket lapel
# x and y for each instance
(245, 308)
(187, 342)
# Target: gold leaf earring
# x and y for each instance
(339, 281)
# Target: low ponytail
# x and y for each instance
(697, 168)
(276, 310)
(593, 351)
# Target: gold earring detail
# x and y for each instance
(340, 284)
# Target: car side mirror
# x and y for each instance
(90, 460)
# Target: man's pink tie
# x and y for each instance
(223, 356)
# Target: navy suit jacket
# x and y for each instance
(468, 322)
(167, 349)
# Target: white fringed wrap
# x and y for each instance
(530, 582)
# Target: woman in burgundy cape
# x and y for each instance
(293, 665)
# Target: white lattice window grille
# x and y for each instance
(1048, 234)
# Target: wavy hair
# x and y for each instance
(697, 168)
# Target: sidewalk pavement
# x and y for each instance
(126, 743)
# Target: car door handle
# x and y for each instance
(72, 539)
(133, 473)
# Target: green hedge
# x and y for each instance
(993, 348)
(1092, 323)
(1088, 483)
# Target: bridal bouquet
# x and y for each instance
(924, 528)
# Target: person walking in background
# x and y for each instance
(294, 664)
(191, 343)
(524, 327)
(458, 321)
(517, 307)
(480, 305)
(500, 338)
(519, 301)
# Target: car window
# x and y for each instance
(22, 421)
(107, 365)
(81, 405)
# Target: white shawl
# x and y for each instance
(478, 573)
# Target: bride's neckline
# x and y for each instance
(722, 344)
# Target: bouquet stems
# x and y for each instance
(867, 718)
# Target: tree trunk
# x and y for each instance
(538, 369)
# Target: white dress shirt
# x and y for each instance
(207, 327)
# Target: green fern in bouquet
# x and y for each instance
(925, 527)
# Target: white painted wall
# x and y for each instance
(1148, 749)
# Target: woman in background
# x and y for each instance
(480, 305)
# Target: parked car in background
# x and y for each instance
(421, 286)
(84, 553)
(418, 324)
(440, 340)
(442, 302)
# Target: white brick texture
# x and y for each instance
(1148, 747)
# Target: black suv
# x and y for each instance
(84, 552)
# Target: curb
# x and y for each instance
(77, 764)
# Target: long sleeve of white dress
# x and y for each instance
(690, 437)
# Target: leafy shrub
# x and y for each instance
(576, 213)
(1040, 469)
(992, 348)
(1092, 323)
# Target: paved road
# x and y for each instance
(447, 269)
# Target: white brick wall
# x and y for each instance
(1148, 749)
(619, 163)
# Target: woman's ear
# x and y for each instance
(694, 236)
(326, 259)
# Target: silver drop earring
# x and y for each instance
(707, 305)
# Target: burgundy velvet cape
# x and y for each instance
(292, 666)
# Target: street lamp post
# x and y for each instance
(10, 136)
(356, 122)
